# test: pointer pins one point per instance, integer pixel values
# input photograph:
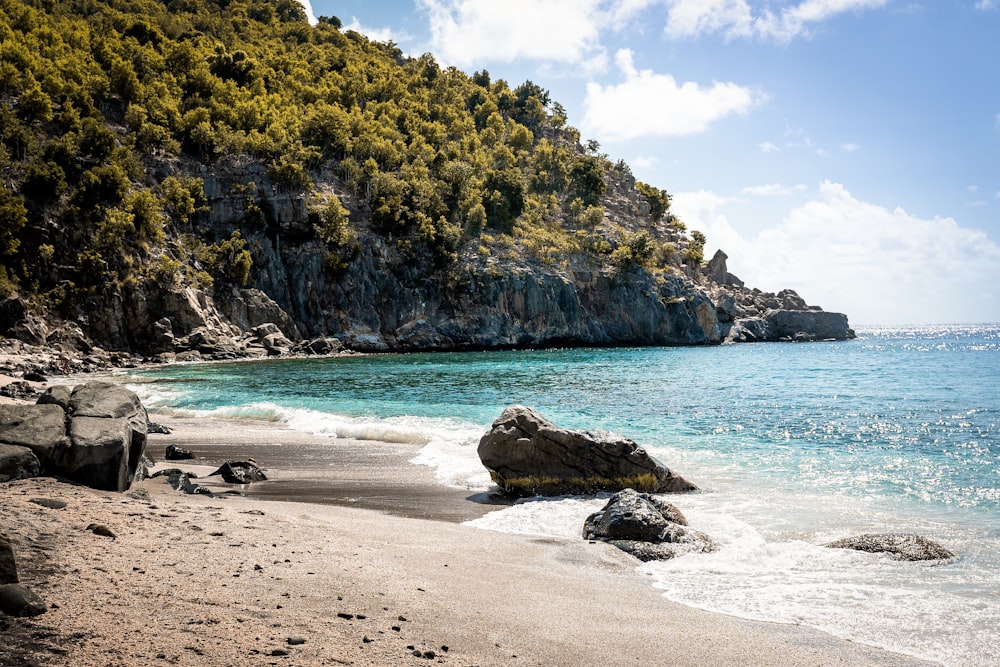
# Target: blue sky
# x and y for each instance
(848, 149)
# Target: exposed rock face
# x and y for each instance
(749, 315)
(645, 526)
(18, 463)
(97, 438)
(528, 455)
(899, 546)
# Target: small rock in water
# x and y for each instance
(898, 545)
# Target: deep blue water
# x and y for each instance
(795, 444)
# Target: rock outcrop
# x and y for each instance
(645, 526)
(752, 316)
(899, 546)
(94, 435)
(528, 455)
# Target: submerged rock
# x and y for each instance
(528, 455)
(898, 545)
(645, 526)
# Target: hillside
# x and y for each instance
(219, 178)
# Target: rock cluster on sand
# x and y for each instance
(93, 434)
(645, 526)
(898, 545)
(528, 455)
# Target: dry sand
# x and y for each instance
(383, 573)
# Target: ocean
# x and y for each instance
(793, 446)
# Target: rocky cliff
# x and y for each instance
(383, 300)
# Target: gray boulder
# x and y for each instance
(645, 526)
(56, 395)
(817, 324)
(528, 455)
(18, 462)
(37, 427)
(899, 546)
(97, 439)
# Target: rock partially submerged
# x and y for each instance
(645, 526)
(898, 545)
(528, 455)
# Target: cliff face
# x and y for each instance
(383, 300)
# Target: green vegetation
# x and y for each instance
(100, 99)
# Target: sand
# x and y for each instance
(376, 569)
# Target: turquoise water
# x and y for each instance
(794, 444)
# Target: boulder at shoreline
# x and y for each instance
(644, 526)
(93, 434)
(528, 455)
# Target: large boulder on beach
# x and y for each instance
(899, 546)
(528, 455)
(94, 436)
(18, 463)
(645, 526)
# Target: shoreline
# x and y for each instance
(195, 580)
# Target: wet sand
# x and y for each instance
(373, 570)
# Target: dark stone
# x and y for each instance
(645, 526)
(898, 545)
(102, 530)
(51, 503)
(155, 427)
(20, 601)
(295, 641)
(35, 376)
(240, 472)
(8, 566)
(175, 453)
(18, 462)
(528, 455)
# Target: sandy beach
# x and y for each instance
(376, 569)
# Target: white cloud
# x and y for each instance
(736, 18)
(645, 161)
(768, 147)
(648, 104)
(374, 34)
(772, 190)
(879, 266)
(306, 5)
(986, 4)
(850, 148)
(467, 33)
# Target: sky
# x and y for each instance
(847, 149)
